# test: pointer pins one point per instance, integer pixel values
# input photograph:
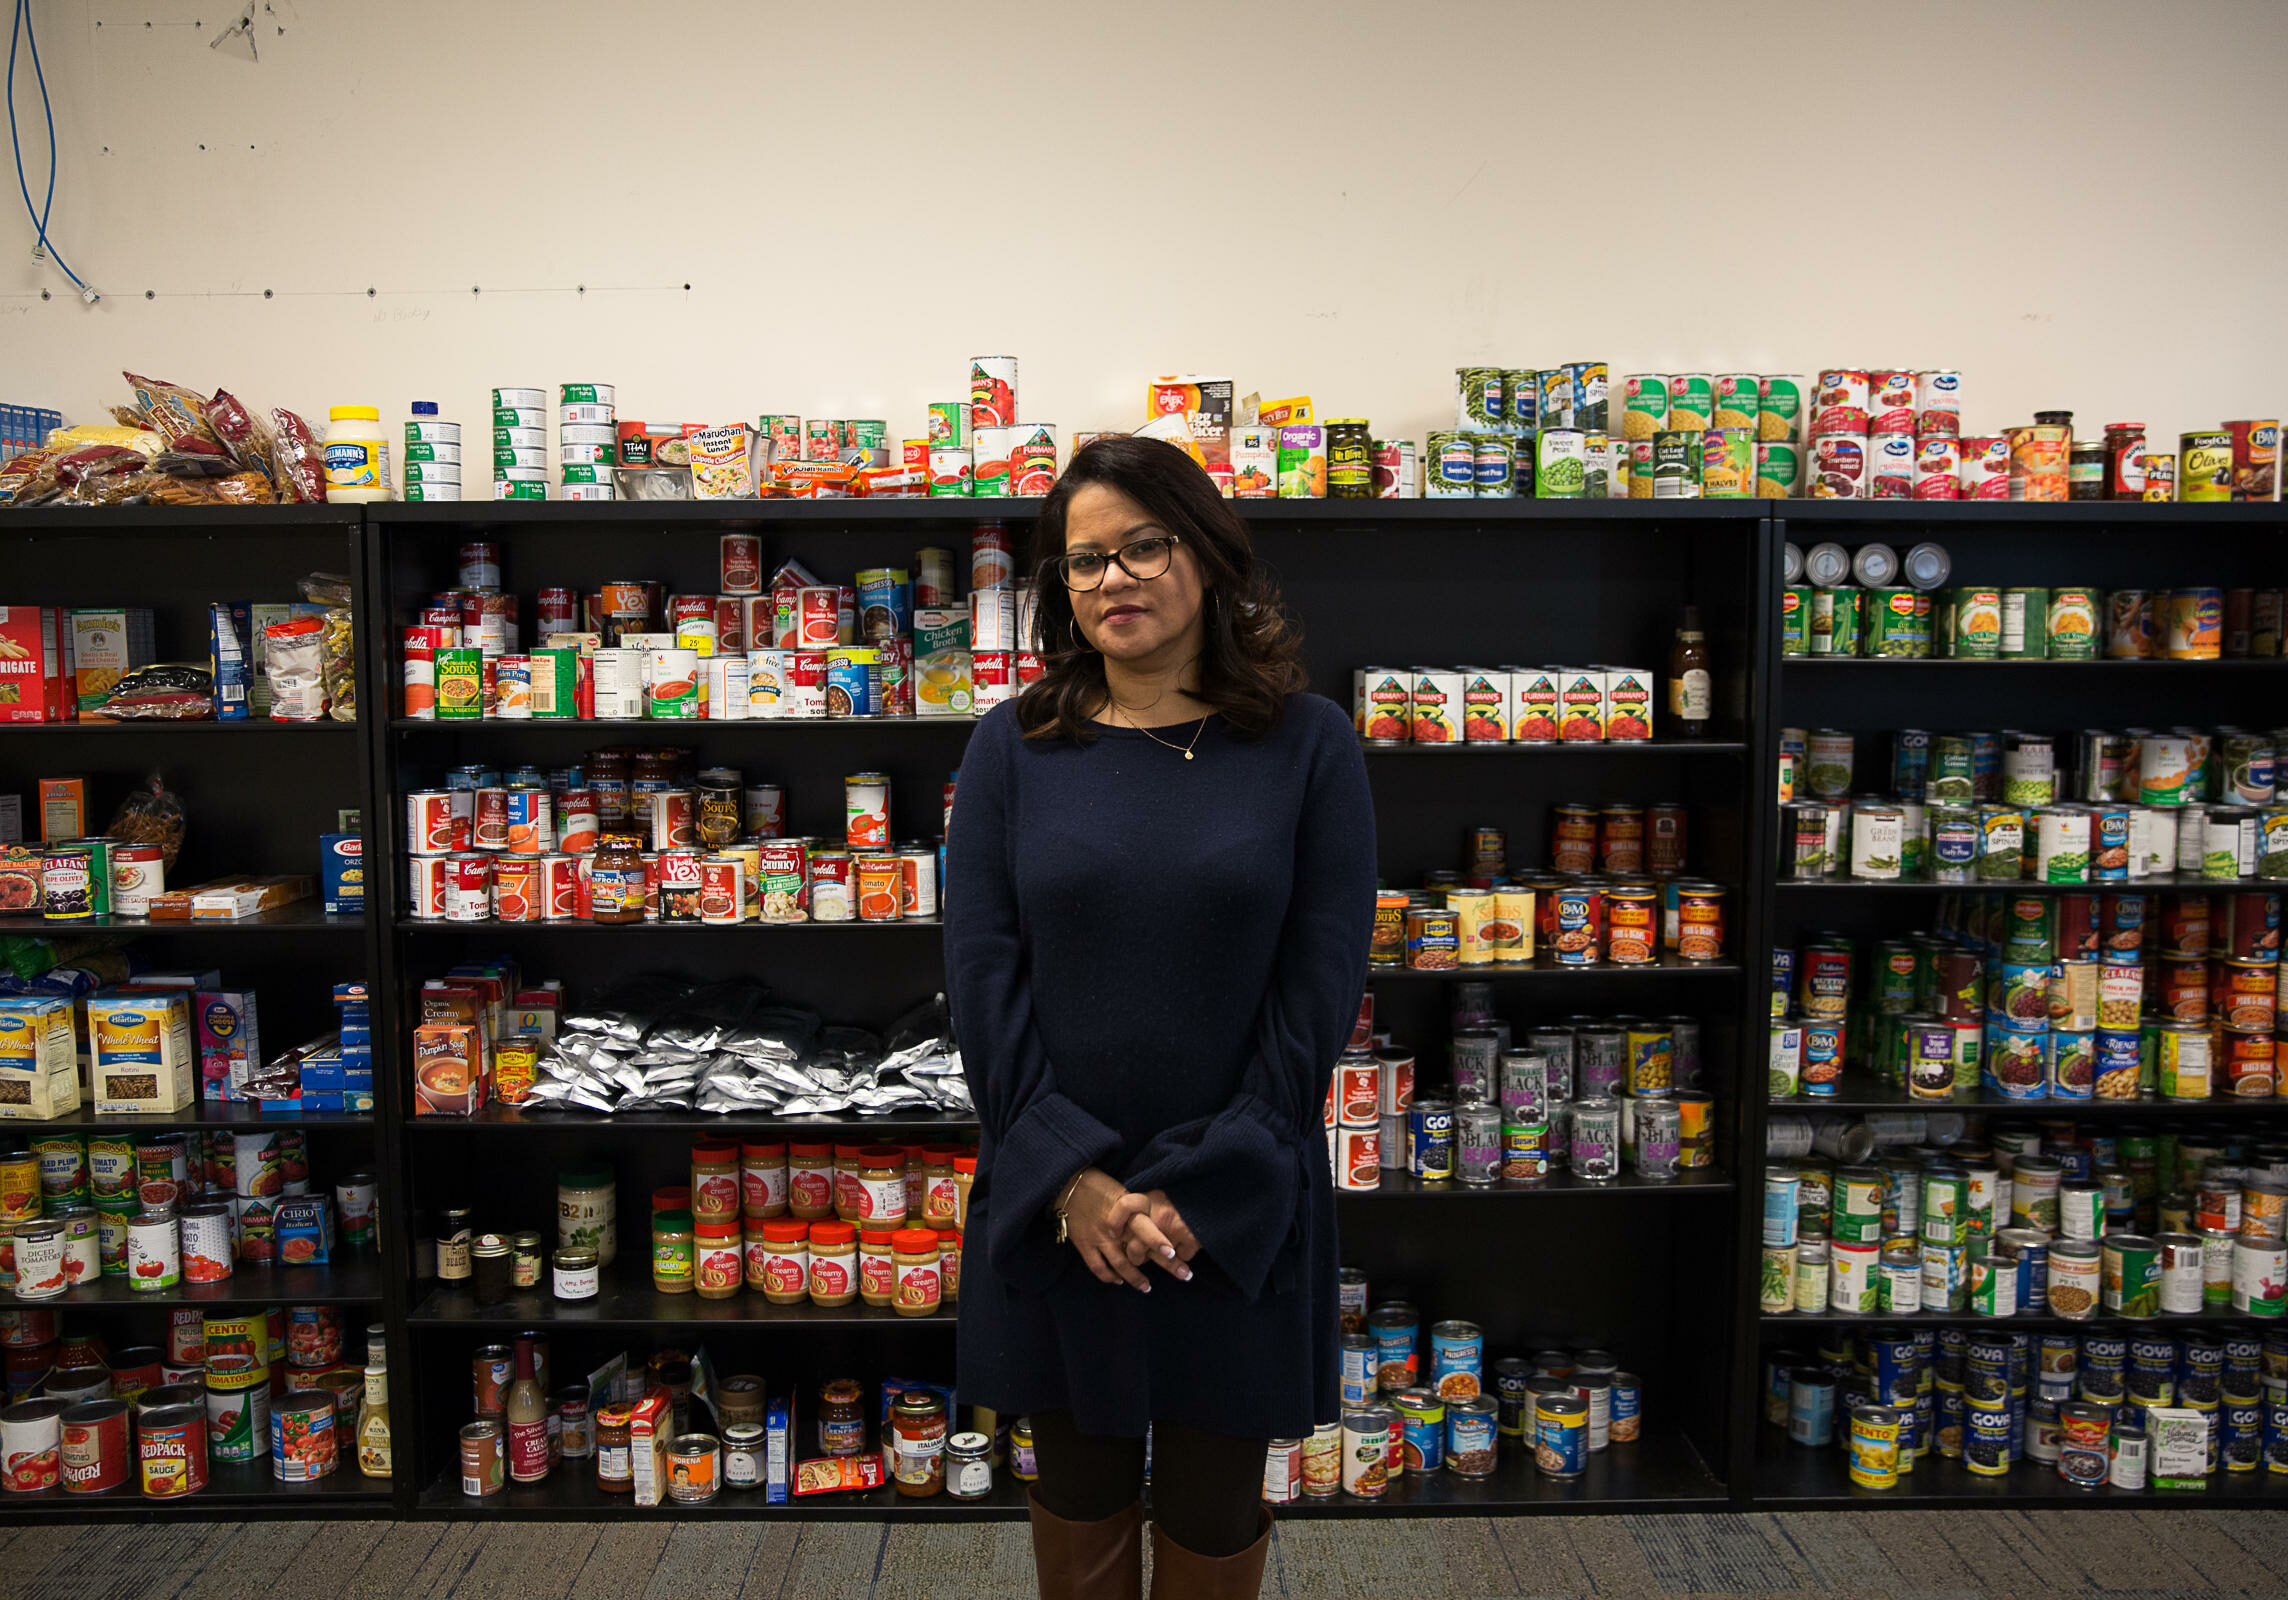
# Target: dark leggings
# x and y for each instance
(1207, 1488)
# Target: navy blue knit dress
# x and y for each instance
(1153, 964)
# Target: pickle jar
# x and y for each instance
(672, 1252)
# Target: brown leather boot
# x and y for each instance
(1178, 1574)
(1089, 1560)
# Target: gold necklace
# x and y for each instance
(1156, 739)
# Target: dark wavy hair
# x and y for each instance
(1250, 657)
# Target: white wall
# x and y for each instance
(2077, 202)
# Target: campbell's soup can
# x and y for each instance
(426, 876)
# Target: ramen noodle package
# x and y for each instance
(719, 466)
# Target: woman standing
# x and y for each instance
(1160, 884)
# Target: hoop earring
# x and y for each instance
(1080, 646)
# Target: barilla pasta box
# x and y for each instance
(1628, 705)
(35, 665)
(39, 1058)
(1581, 705)
(140, 1055)
(1534, 703)
(230, 1044)
(341, 873)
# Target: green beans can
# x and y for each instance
(2071, 622)
(1478, 392)
(1837, 620)
(1898, 623)
(1795, 619)
(1857, 1209)
(2131, 1269)
(2025, 624)
(1945, 1206)
(1450, 471)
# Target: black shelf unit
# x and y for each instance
(1601, 582)
(258, 794)
(1462, 596)
(2100, 545)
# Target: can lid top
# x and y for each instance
(424, 408)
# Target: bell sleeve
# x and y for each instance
(1038, 1137)
(1241, 1177)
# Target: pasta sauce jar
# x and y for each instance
(917, 1442)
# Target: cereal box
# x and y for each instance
(140, 1056)
(35, 665)
(39, 1060)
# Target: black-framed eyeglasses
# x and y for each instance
(1142, 559)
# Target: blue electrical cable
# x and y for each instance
(23, 31)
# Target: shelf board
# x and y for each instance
(1658, 1473)
(1541, 966)
(263, 728)
(1576, 747)
(1859, 1092)
(1320, 514)
(671, 930)
(1403, 1185)
(167, 521)
(596, 726)
(353, 1280)
(626, 1299)
(300, 916)
(2238, 663)
(1792, 1477)
(2158, 883)
(201, 1114)
(2047, 1322)
(739, 1124)
(231, 1485)
(2135, 516)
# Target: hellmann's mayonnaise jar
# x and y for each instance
(357, 456)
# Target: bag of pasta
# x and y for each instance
(338, 643)
(152, 814)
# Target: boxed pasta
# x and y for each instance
(106, 645)
(35, 665)
(39, 1059)
(140, 1055)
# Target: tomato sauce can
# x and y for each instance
(303, 1441)
(171, 1451)
(31, 1445)
(95, 1449)
(425, 878)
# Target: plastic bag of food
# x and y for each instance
(166, 691)
(152, 814)
(170, 410)
(325, 588)
(195, 458)
(244, 432)
(300, 467)
(131, 435)
(341, 664)
(294, 653)
(237, 489)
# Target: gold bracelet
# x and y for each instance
(1057, 1211)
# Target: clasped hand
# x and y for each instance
(1118, 1231)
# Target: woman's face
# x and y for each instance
(1132, 620)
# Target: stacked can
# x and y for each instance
(1897, 435)
(520, 444)
(2132, 1408)
(1492, 705)
(432, 455)
(1694, 435)
(587, 440)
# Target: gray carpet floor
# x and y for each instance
(2133, 1555)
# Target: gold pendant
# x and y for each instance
(1187, 755)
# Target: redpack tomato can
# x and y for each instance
(171, 1451)
(95, 1448)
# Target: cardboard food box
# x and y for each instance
(341, 873)
(448, 1070)
(2179, 1447)
(63, 809)
(140, 1055)
(39, 1058)
(1205, 403)
(304, 1228)
(106, 645)
(230, 1043)
(649, 1422)
(35, 665)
